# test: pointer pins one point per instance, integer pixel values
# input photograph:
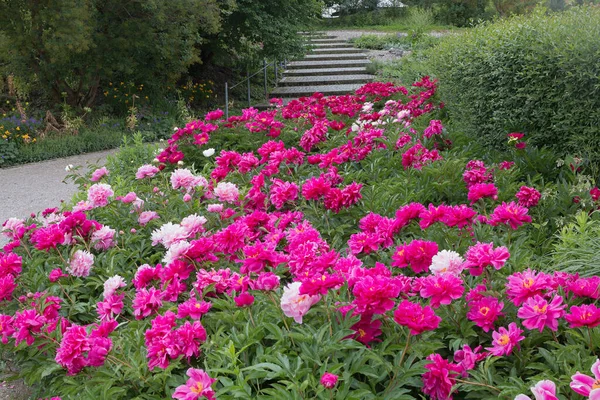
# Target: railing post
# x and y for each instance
(248, 78)
(265, 72)
(226, 100)
(276, 76)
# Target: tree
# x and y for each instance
(71, 46)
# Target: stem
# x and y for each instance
(477, 384)
(251, 319)
(329, 319)
(590, 336)
(405, 349)
(65, 293)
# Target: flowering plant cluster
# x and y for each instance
(355, 252)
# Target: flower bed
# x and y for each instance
(374, 260)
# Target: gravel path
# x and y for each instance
(33, 187)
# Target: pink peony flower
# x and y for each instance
(482, 190)
(245, 299)
(586, 385)
(7, 287)
(543, 390)
(146, 171)
(13, 228)
(99, 174)
(214, 115)
(528, 196)
(266, 281)
(510, 214)
(294, 304)
(506, 165)
(56, 274)
(482, 255)
(102, 239)
(146, 217)
(193, 308)
(526, 284)
(147, 302)
(484, 312)
(98, 194)
(416, 318)
(227, 192)
(199, 385)
(538, 313)
(418, 254)
(168, 234)
(283, 192)
(214, 208)
(329, 380)
(505, 340)
(442, 289)
(584, 315)
(80, 263)
(184, 179)
(439, 378)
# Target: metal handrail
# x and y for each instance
(266, 65)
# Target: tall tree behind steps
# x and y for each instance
(252, 30)
(70, 46)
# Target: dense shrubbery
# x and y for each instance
(376, 260)
(536, 74)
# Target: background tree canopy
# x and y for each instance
(70, 47)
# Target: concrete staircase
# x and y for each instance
(331, 66)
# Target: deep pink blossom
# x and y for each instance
(244, 299)
(418, 254)
(484, 312)
(442, 289)
(483, 255)
(146, 302)
(416, 318)
(510, 214)
(329, 380)
(584, 315)
(524, 285)
(505, 340)
(528, 196)
(439, 378)
(199, 385)
(538, 313)
(482, 190)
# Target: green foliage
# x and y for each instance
(536, 74)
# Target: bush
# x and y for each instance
(537, 74)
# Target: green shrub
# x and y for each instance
(537, 74)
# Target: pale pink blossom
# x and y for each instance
(81, 263)
(13, 228)
(98, 194)
(193, 224)
(102, 239)
(184, 179)
(168, 234)
(146, 171)
(147, 216)
(176, 250)
(294, 304)
(215, 208)
(227, 192)
(112, 284)
(99, 174)
(446, 262)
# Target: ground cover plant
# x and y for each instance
(342, 247)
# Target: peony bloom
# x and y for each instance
(56, 274)
(193, 308)
(481, 190)
(439, 378)
(446, 262)
(283, 192)
(482, 255)
(168, 234)
(7, 286)
(416, 318)
(81, 263)
(146, 217)
(484, 312)
(98, 194)
(199, 385)
(147, 302)
(543, 390)
(538, 313)
(329, 380)
(208, 152)
(442, 289)
(505, 340)
(99, 174)
(294, 304)
(510, 214)
(584, 315)
(111, 285)
(227, 192)
(184, 179)
(528, 196)
(586, 385)
(146, 171)
(418, 254)
(102, 239)
(245, 299)
(526, 284)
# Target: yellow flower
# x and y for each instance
(18, 128)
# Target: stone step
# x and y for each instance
(327, 90)
(325, 71)
(338, 50)
(314, 64)
(333, 57)
(344, 45)
(325, 80)
(329, 40)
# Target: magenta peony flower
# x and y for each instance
(146, 217)
(294, 304)
(526, 284)
(543, 390)
(482, 190)
(418, 254)
(538, 313)
(510, 214)
(214, 115)
(245, 299)
(528, 196)
(103, 239)
(586, 385)
(184, 179)
(329, 380)
(283, 192)
(442, 289)
(146, 302)
(584, 315)
(505, 340)
(193, 308)
(439, 378)
(416, 318)
(482, 255)
(80, 263)
(484, 312)
(199, 385)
